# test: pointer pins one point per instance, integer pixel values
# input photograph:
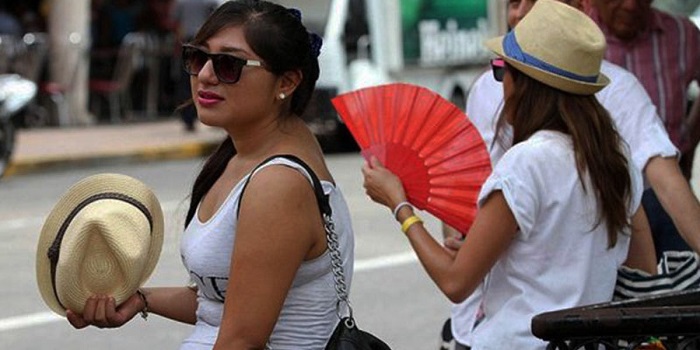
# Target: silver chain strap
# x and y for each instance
(341, 288)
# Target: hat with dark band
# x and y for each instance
(103, 237)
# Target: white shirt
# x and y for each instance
(632, 112)
(559, 258)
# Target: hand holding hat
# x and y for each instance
(103, 237)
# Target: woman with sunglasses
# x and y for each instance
(261, 274)
(561, 210)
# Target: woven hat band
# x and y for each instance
(513, 50)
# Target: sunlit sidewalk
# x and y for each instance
(49, 148)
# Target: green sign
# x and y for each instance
(444, 32)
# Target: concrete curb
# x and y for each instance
(36, 164)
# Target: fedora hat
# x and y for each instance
(556, 45)
(103, 237)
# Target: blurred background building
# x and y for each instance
(111, 61)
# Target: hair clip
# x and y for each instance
(295, 12)
(316, 43)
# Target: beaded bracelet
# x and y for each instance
(399, 206)
(144, 311)
(406, 224)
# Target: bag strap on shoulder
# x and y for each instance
(321, 197)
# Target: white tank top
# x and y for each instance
(308, 315)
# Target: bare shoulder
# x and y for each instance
(278, 184)
(279, 203)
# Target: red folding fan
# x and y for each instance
(425, 140)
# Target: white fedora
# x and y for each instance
(557, 45)
(103, 237)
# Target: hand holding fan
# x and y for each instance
(425, 140)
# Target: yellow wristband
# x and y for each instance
(406, 224)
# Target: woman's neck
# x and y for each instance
(261, 140)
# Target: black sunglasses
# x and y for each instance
(227, 67)
(498, 65)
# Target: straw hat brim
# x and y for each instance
(79, 193)
(554, 80)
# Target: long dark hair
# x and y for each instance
(277, 35)
(534, 106)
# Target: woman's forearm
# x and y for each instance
(489, 237)
(435, 258)
(175, 303)
(677, 198)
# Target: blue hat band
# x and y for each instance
(513, 50)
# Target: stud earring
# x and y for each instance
(282, 96)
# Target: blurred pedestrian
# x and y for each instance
(553, 215)
(663, 52)
(9, 23)
(189, 16)
(121, 18)
(262, 277)
(157, 17)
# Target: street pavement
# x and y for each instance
(43, 149)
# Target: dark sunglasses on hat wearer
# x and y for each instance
(498, 66)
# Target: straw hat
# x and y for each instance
(557, 45)
(105, 236)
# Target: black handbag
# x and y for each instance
(346, 336)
